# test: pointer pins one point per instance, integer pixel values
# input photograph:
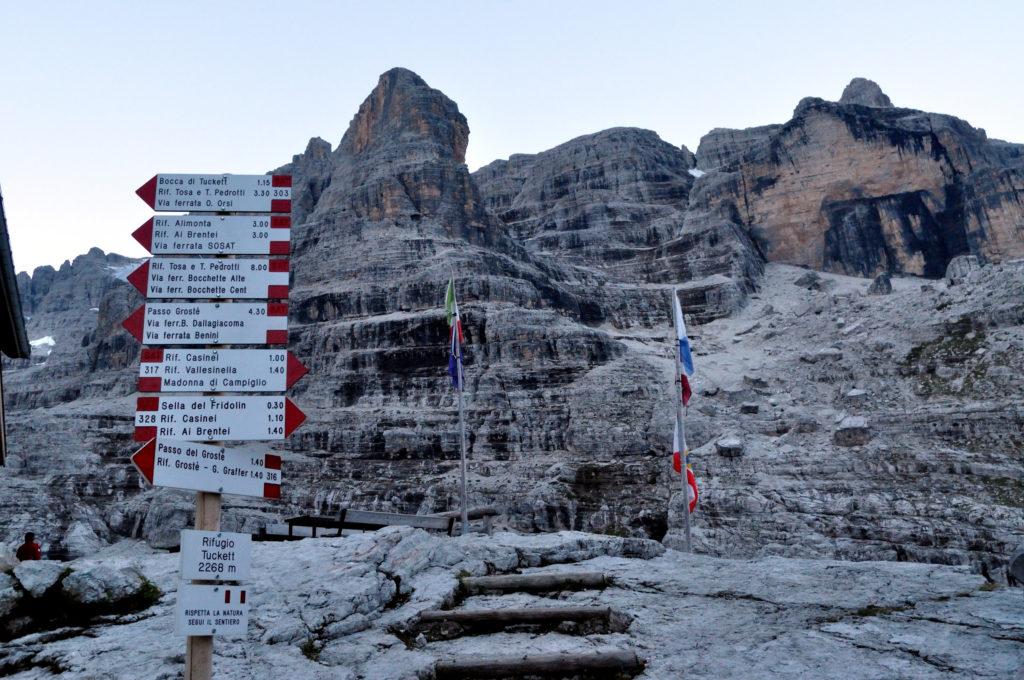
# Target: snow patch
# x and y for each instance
(45, 344)
(94, 309)
(697, 173)
(123, 271)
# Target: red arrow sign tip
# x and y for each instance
(147, 192)
(133, 324)
(144, 234)
(140, 278)
(293, 417)
(296, 369)
(144, 458)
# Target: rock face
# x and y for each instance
(866, 93)
(858, 188)
(564, 264)
(723, 147)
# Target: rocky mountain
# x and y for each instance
(827, 422)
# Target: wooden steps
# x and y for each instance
(534, 583)
(607, 663)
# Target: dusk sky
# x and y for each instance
(99, 96)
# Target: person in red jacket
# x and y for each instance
(29, 550)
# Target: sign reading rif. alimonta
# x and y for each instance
(218, 370)
(209, 323)
(203, 419)
(211, 610)
(215, 469)
(210, 277)
(215, 555)
(168, 192)
(216, 235)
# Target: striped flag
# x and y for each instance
(685, 356)
(677, 465)
(451, 309)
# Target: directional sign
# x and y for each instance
(196, 418)
(216, 235)
(209, 323)
(208, 277)
(218, 370)
(215, 555)
(211, 610)
(215, 469)
(218, 193)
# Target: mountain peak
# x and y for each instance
(866, 93)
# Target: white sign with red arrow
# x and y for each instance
(216, 235)
(214, 469)
(211, 610)
(203, 419)
(218, 370)
(169, 192)
(209, 323)
(208, 277)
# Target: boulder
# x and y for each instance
(882, 285)
(9, 595)
(810, 281)
(38, 576)
(99, 585)
(729, 446)
(856, 395)
(81, 540)
(852, 431)
(960, 267)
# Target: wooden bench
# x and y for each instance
(367, 520)
(485, 513)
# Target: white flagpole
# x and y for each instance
(679, 424)
(462, 414)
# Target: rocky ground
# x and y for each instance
(336, 608)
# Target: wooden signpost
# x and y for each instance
(190, 333)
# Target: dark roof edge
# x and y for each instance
(11, 303)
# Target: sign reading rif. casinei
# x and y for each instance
(208, 277)
(209, 323)
(171, 192)
(216, 235)
(206, 418)
(213, 370)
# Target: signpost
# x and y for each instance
(217, 278)
(210, 370)
(216, 555)
(218, 193)
(208, 610)
(195, 260)
(214, 469)
(216, 235)
(209, 323)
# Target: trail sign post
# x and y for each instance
(210, 370)
(216, 235)
(214, 469)
(208, 277)
(215, 555)
(196, 259)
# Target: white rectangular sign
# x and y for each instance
(171, 192)
(210, 323)
(211, 610)
(215, 469)
(201, 418)
(216, 235)
(215, 555)
(209, 277)
(217, 370)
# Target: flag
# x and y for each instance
(685, 357)
(677, 465)
(687, 392)
(451, 309)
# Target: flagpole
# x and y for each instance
(462, 439)
(679, 427)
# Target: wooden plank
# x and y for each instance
(620, 660)
(367, 517)
(537, 582)
(515, 615)
(474, 513)
(199, 648)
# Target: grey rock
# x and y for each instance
(960, 268)
(9, 595)
(881, 285)
(729, 446)
(38, 576)
(852, 431)
(866, 93)
(809, 280)
(856, 396)
(749, 407)
(81, 540)
(102, 585)
(725, 147)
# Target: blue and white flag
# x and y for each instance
(685, 356)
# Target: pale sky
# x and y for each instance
(96, 97)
